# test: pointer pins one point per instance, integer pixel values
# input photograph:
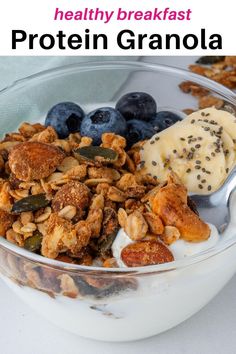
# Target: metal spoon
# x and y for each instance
(214, 208)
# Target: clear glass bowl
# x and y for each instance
(111, 304)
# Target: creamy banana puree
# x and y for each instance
(200, 149)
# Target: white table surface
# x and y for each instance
(22, 331)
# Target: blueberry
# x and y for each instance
(138, 130)
(103, 120)
(65, 118)
(163, 119)
(137, 105)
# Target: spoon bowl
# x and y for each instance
(215, 207)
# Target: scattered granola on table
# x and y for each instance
(221, 69)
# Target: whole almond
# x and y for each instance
(33, 160)
(145, 253)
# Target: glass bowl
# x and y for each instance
(112, 304)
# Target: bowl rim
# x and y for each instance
(121, 64)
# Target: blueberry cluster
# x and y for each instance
(135, 117)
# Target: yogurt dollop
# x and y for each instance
(180, 248)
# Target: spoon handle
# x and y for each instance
(223, 193)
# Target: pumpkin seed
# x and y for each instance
(105, 243)
(34, 242)
(31, 203)
(91, 152)
(210, 59)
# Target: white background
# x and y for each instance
(37, 17)
(211, 331)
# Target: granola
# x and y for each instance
(68, 205)
(219, 69)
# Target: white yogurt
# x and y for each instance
(180, 248)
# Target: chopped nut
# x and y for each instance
(6, 221)
(17, 227)
(136, 191)
(55, 177)
(63, 144)
(68, 287)
(26, 217)
(110, 263)
(83, 233)
(14, 237)
(116, 195)
(77, 172)
(154, 222)
(85, 141)
(122, 217)
(210, 101)
(102, 188)
(103, 172)
(28, 130)
(171, 234)
(94, 220)
(47, 136)
(68, 212)
(5, 197)
(28, 228)
(97, 202)
(193, 88)
(136, 226)
(134, 204)
(60, 236)
(95, 181)
(8, 145)
(130, 164)
(128, 180)
(116, 143)
(33, 276)
(37, 189)
(98, 282)
(68, 163)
